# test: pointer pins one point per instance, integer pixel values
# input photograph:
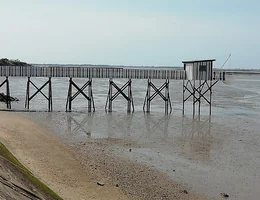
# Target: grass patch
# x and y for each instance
(9, 156)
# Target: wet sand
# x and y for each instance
(75, 176)
(207, 156)
(51, 161)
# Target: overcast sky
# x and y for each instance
(131, 32)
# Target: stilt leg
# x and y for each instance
(120, 90)
(148, 105)
(194, 95)
(110, 95)
(90, 95)
(210, 96)
(8, 99)
(183, 100)
(50, 96)
(157, 91)
(200, 90)
(80, 90)
(69, 98)
(167, 97)
(27, 102)
(39, 90)
(129, 96)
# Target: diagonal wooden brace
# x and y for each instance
(120, 90)
(80, 90)
(38, 90)
(157, 91)
(198, 92)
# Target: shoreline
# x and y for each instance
(74, 175)
(50, 160)
(19, 181)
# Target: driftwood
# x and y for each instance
(5, 98)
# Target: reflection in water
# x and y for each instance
(121, 125)
(190, 138)
(157, 126)
(80, 125)
(196, 140)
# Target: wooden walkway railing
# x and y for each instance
(87, 72)
(92, 72)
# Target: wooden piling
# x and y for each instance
(157, 91)
(8, 97)
(110, 95)
(50, 96)
(120, 90)
(148, 102)
(89, 94)
(38, 90)
(80, 90)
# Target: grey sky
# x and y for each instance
(130, 32)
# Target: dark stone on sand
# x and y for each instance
(185, 192)
(100, 183)
(224, 195)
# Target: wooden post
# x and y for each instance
(80, 90)
(120, 90)
(183, 90)
(129, 96)
(89, 95)
(8, 98)
(69, 98)
(210, 96)
(148, 105)
(183, 100)
(200, 90)
(39, 90)
(167, 97)
(27, 102)
(110, 95)
(194, 94)
(157, 91)
(50, 96)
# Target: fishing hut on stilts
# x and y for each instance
(198, 83)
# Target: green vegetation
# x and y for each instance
(9, 156)
(7, 62)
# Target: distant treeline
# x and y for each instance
(7, 62)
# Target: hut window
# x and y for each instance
(203, 68)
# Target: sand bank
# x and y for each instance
(74, 176)
(50, 160)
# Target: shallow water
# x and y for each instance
(210, 154)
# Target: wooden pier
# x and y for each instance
(114, 90)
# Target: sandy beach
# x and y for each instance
(51, 161)
(73, 176)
